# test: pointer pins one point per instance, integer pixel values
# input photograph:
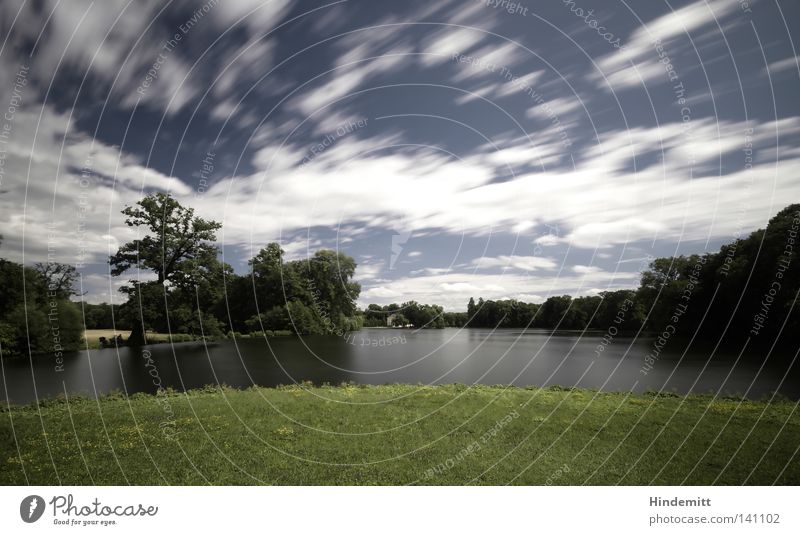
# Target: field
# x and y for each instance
(400, 434)
(92, 336)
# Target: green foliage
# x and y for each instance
(423, 316)
(303, 319)
(557, 312)
(455, 319)
(103, 316)
(747, 289)
(38, 317)
(177, 249)
(26, 329)
(375, 316)
(328, 276)
(399, 320)
(69, 332)
(59, 279)
(314, 296)
(176, 244)
(505, 313)
(409, 313)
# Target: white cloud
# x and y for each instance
(638, 62)
(781, 66)
(441, 47)
(258, 16)
(240, 64)
(380, 292)
(523, 263)
(561, 107)
(598, 204)
(368, 271)
(488, 92)
(586, 269)
(453, 290)
(547, 240)
(72, 196)
(363, 55)
(459, 287)
(348, 77)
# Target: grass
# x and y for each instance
(400, 434)
(92, 336)
(107, 333)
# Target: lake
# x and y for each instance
(378, 356)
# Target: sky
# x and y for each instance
(455, 149)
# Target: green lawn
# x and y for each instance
(400, 434)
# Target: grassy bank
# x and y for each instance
(400, 434)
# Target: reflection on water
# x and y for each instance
(378, 356)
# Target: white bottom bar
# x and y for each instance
(403, 510)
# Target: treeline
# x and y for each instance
(562, 312)
(619, 308)
(196, 294)
(104, 316)
(193, 293)
(746, 290)
(413, 314)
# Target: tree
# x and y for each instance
(36, 318)
(103, 316)
(619, 309)
(375, 316)
(312, 296)
(58, 278)
(399, 320)
(331, 273)
(178, 243)
(557, 312)
(585, 310)
(331, 292)
(455, 319)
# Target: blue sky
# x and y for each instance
(453, 148)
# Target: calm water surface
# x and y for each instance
(378, 356)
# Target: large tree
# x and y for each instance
(178, 247)
(312, 296)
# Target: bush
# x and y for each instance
(30, 329)
(282, 333)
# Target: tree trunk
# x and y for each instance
(137, 337)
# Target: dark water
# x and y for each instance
(378, 356)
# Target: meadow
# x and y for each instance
(400, 434)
